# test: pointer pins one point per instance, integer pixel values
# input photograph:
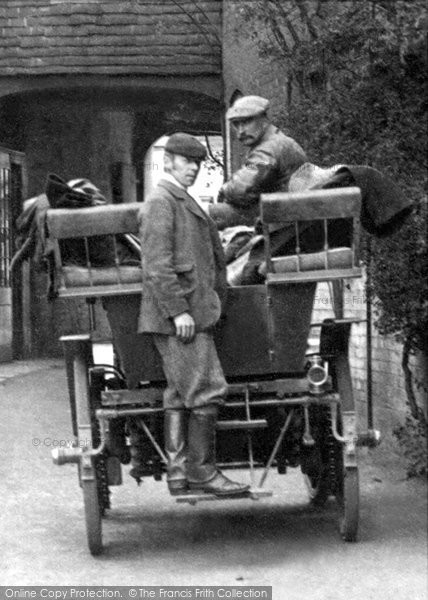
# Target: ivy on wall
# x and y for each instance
(356, 75)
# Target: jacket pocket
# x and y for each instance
(186, 277)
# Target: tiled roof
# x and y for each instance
(163, 37)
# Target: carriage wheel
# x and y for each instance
(347, 480)
(80, 346)
(89, 477)
(315, 460)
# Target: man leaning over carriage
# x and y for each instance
(275, 162)
(271, 159)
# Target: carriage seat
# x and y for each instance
(94, 253)
(300, 210)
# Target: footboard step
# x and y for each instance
(253, 494)
(241, 424)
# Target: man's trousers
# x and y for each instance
(193, 371)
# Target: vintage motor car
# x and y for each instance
(287, 406)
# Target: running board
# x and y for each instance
(252, 494)
(241, 424)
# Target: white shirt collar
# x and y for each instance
(173, 180)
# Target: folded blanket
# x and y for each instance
(383, 204)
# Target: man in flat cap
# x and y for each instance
(271, 159)
(183, 283)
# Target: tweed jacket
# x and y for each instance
(267, 168)
(182, 261)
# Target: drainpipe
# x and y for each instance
(369, 339)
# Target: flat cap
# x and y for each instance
(247, 106)
(186, 145)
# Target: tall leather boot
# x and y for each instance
(175, 422)
(202, 473)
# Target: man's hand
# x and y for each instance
(184, 327)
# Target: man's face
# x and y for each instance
(185, 170)
(250, 130)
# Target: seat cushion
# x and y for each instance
(80, 277)
(336, 258)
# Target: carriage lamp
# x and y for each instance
(370, 438)
(317, 375)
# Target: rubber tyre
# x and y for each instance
(350, 505)
(348, 477)
(82, 359)
(92, 517)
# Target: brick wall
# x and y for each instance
(389, 395)
(104, 36)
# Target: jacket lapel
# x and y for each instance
(180, 194)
